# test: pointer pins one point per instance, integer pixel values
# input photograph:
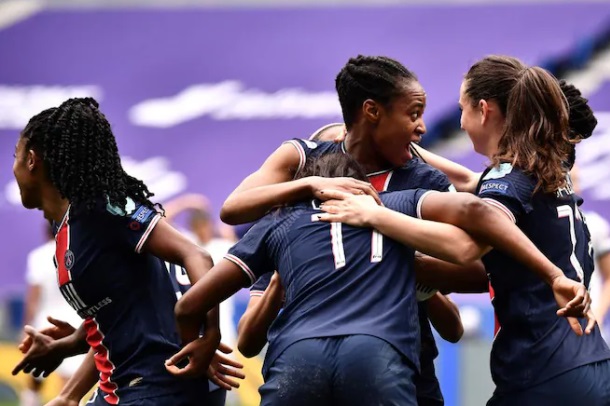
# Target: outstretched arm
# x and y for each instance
(255, 322)
(461, 177)
(482, 221)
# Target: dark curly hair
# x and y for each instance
(81, 157)
(369, 77)
(582, 120)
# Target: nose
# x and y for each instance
(421, 128)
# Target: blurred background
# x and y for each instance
(199, 92)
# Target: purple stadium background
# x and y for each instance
(199, 98)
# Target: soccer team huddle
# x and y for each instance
(353, 249)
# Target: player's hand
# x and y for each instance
(199, 354)
(42, 357)
(318, 185)
(574, 302)
(358, 211)
(62, 401)
(59, 329)
(219, 371)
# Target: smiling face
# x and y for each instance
(400, 123)
(28, 170)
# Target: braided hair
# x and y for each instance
(582, 120)
(81, 157)
(369, 77)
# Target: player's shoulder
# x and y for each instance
(424, 175)
(315, 148)
(505, 179)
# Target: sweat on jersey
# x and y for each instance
(532, 343)
(124, 296)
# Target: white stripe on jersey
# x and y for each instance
(336, 237)
(500, 206)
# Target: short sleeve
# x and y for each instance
(261, 285)
(252, 253)
(134, 223)
(312, 149)
(508, 190)
(407, 202)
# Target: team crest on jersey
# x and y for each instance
(69, 259)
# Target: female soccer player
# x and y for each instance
(340, 303)
(111, 244)
(517, 116)
(383, 105)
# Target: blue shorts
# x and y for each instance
(585, 385)
(347, 370)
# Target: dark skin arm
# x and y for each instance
(166, 243)
(272, 185)
(222, 281)
(451, 278)
(445, 318)
(256, 320)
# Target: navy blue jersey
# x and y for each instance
(336, 277)
(123, 295)
(413, 175)
(534, 344)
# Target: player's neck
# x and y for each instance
(54, 206)
(359, 146)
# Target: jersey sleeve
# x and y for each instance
(507, 189)
(252, 254)
(134, 223)
(311, 149)
(407, 202)
(261, 285)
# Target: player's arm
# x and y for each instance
(45, 352)
(222, 281)
(166, 243)
(256, 195)
(461, 177)
(445, 317)
(482, 221)
(79, 384)
(601, 308)
(451, 278)
(256, 320)
(272, 186)
(440, 240)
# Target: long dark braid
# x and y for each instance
(369, 77)
(80, 155)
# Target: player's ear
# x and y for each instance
(371, 111)
(33, 160)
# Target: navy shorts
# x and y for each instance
(585, 385)
(347, 370)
